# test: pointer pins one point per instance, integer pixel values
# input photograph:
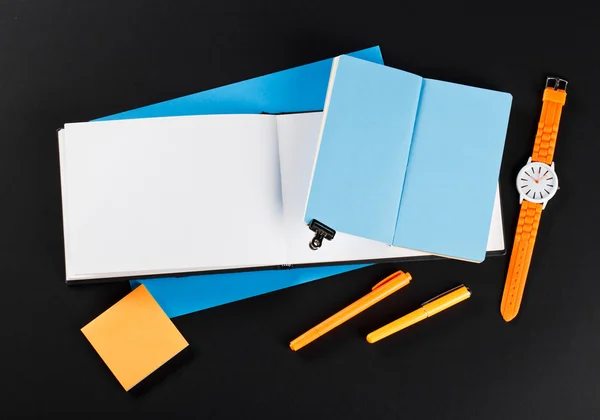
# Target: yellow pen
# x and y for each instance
(429, 308)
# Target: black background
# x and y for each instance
(72, 61)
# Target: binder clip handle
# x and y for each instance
(316, 242)
(321, 232)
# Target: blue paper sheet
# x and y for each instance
(184, 295)
(295, 90)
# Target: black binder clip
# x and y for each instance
(321, 232)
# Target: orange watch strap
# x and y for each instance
(545, 138)
(527, 228)
(530, 214)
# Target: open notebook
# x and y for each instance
(408, 161)
(198, 193)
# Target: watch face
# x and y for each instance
(537, 182)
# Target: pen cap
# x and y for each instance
(446, 300)
(398, 275)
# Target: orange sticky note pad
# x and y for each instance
(134, 337)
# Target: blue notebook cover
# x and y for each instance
(367, 131)
(453, 170)
(294, 90)
(409, 161)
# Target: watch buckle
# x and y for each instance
(556, 83)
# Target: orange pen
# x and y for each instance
(380, 291)
(429, 308)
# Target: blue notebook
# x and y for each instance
(298, 89)
(408, 161)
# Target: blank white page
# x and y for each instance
(166, 195)
(496, 236)
(298, 142)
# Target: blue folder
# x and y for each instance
(298, 89)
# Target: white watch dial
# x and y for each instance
(537, 182)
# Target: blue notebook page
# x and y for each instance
(453, 170)
(365, 141)
(298, 89)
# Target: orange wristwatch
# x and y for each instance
(537, 183)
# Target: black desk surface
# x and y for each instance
(65, 61)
